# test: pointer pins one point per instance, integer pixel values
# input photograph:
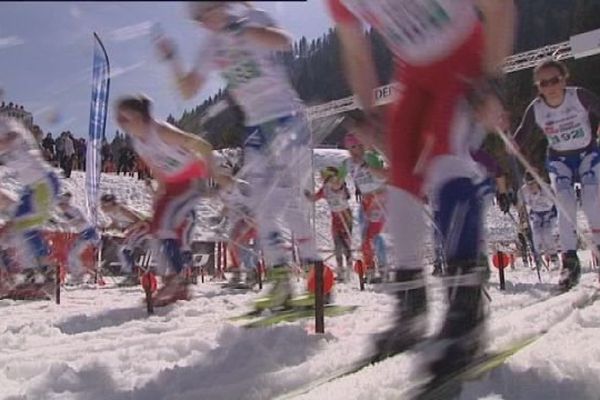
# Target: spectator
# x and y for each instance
(141, 168)
(105, 153)
(109, 166)
(123, 161)
(69, 153)
(81, 153)
(48, 144)
(37, 134)
(59, 149)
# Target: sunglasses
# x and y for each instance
(550, 82)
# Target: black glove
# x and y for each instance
(513, 198)
(503, 200)
(358, 195)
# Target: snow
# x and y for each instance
(100, 343)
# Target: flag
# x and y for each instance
(98, 112)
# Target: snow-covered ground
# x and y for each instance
(100, 344)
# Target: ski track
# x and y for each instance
(100, 343)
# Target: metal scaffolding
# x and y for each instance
(516, 62)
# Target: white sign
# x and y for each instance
(386, 94)
(585, 44)
(382, 95)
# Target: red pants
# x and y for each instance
(373, 208)
(173, 207)
(421, 120)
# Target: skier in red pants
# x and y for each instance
(442, 48)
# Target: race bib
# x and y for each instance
(568, 139)
(243, 69)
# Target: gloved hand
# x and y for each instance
(504, 202)
(358, 195)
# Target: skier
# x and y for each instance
(185, 234)
(542, 218)
(564, 115)
(277, 154)
(7, 246)
(369, 174)
(20, 153)
(136, 229)
(442, 50)
(335, 192)
(87, 235)
(237, 212)
(182, 164)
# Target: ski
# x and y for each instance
(473, 371)
(289, 315)
(353, 368)
(450, 386)
(482, 365)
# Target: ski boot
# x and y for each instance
(132, 279)
(461, 337)
(280, 293)
(251, 278)
(553, 262)
(175, 287)
(437, 269)
(571, 270)
(372, 277)
(235, 282)
(76, 278)
(410, 321)
(341, 276)
(188, 264)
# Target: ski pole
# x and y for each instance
(545, 187)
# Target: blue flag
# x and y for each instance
(98, 113)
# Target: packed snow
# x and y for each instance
(99, 343)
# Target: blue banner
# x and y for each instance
(98, 113)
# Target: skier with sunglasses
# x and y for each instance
(567, 118)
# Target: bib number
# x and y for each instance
(242, 72)
(566, 136)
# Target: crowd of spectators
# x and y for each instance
(69, 152)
